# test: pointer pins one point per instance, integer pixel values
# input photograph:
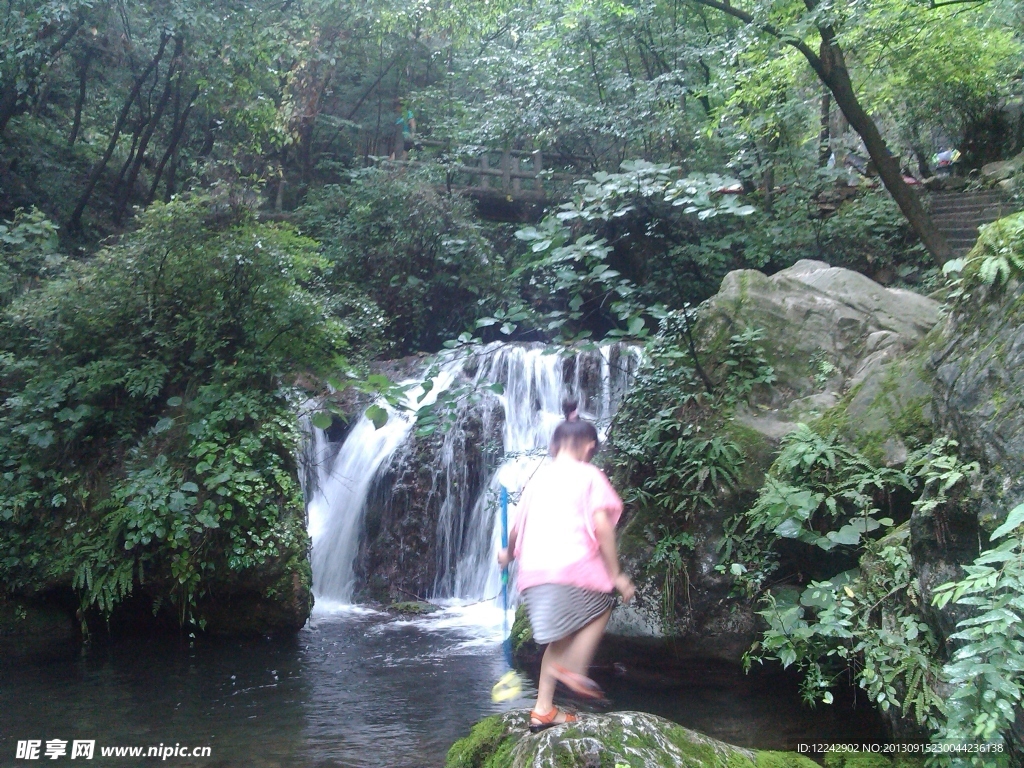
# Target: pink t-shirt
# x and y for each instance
(555, 538)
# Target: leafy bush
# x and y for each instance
(417, 257)
(30, 252)
(147, 431)
(863, 624)
(866, 623)
(987, 669)
(996, 257)
(663, 448)
(818, 492)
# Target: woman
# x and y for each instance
(564, 540)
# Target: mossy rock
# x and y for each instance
(809, 310)
(522, 630)
(615, 740)
(871, 760)
(889, 412)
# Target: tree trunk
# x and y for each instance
(181, 118)
(75, 222)
(836, 76)
(83, 73)
(831, 69)
(147, 133)
(824, 132)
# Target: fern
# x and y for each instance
(997, 257)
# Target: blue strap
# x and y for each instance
(503, 494)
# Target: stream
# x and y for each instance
(360, 688)
(354, 688)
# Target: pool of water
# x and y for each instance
(354, 688)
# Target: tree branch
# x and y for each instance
(772, 30)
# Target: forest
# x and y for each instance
(224, 224)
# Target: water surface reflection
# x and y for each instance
(354, 688)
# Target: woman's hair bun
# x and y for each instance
(569, 407)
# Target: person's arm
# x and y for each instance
(505, 556)
(604, 531)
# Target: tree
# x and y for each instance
(829, 64)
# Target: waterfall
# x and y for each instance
(337, 481)
(533, 382)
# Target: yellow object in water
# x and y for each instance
(509, 687)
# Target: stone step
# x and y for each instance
(989, 194)
(972, 223)
(995, 211)
(966, 202)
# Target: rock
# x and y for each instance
(400, 553)
(841, 347)
(813, 312)
(979, 396)
(1003, 169)
(888, 406)
(272, 597)
(414, 608)
(617, 739)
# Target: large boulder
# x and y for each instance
(842, 348)
(615, 740)
(825, 328)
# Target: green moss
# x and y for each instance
(869, 760)
(784, 760)
(738, 760)
(703, 754)
(522, 631)
(489, 740)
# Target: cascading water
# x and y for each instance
(337, 483)
(533, 382)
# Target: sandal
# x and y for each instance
(579, 684)
(548, 721)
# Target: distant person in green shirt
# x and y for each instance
(405, 131)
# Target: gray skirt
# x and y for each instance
(558, 610)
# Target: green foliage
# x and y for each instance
(986, 669)
(866, 623)
(746, 365)
(997, 257)
(665, 448)
(819, 492)
(417, 257)
(30, 253)
(147, 434)
(668, 558)
(570, 262)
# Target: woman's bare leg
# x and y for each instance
(546, 684)
(583, 645)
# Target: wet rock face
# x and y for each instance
(400, 553)
(979, 396)
(634, 739)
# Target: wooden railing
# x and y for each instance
(511, 174)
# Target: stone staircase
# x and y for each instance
(959, 214)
